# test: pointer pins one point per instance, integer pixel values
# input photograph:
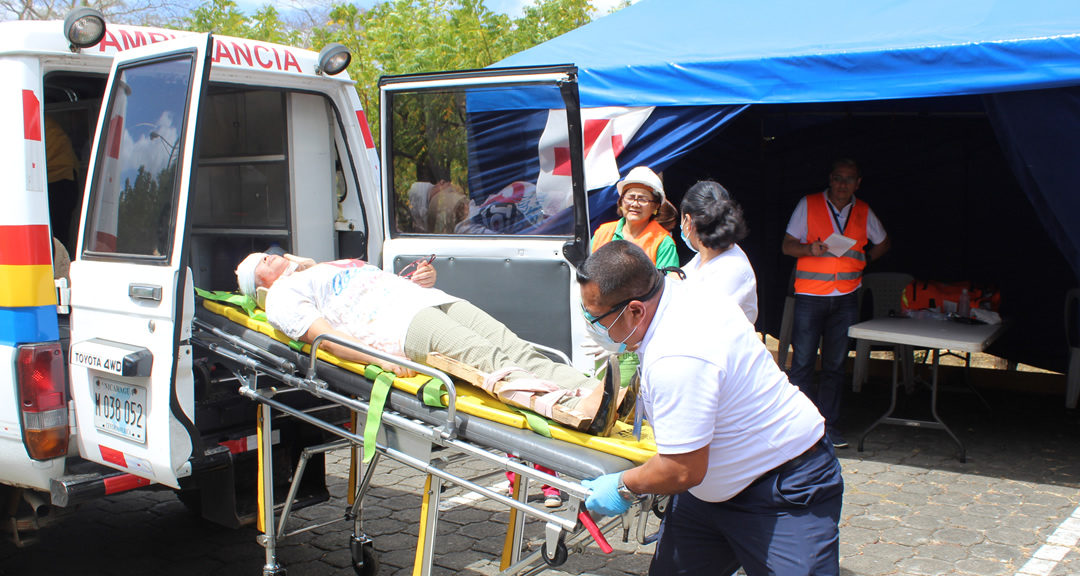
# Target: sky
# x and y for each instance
(509, 7)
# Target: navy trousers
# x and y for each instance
(785, 523)
(824, 318)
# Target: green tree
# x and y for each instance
(411, 36)
(224, 17)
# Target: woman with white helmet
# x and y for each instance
(646, 218)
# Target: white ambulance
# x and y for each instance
(190, 151)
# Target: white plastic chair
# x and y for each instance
(886, 290)
(1072, 337)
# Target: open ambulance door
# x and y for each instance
(483, 169)
(131, 298)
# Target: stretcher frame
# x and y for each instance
(426, 446)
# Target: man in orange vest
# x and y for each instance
(826, 281)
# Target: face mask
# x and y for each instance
(290, 269)
(599, 333)
(687, 240)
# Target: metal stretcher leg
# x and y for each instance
(266, 493)
(515, 526)
(429, 519)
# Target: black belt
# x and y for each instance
(791, 464)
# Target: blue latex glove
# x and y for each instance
(605, 498)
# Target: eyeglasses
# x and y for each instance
(621, 305)
(639, 200)
(411, 267)
(843, 179)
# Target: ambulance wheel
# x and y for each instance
(560, 554)
(368, 564)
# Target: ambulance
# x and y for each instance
(190, 152)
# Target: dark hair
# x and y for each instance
(846, 162)
(667, 216)
(717, 218)
(620, 270)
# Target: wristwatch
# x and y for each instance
(625, 492)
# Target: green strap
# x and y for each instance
(246, 302)
(431, 393)
(379, 390)
(536, 422)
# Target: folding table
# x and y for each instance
(931, 334)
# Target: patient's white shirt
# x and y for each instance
(368, 303)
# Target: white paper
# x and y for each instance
(838, 244)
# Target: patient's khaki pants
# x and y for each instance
(466, 333)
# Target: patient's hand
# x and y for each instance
(424, 275)
(398, 370)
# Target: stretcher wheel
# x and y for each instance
(660, 505)
(368, 563)
(561, 554)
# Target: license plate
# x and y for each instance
(120, 409)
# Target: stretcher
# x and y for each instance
(469, 424)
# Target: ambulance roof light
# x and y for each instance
(333, 58)
(84, 27)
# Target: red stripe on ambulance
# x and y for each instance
(365, 129)
(31, 116)
(113, 456)
(116, 136)
(25, 245)
(124, 482)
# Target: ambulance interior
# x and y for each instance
(251, 160)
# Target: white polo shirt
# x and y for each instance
(707, 380)
(728, 273)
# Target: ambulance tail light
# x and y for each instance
(333, 58)
(43, 400)
(84, 27)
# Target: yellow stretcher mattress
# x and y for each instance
(472, 400)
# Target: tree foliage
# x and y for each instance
(223, 17)
(411, 36)
(148, 12)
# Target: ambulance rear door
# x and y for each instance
(483, 169)
(131, 296)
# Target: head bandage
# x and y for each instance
(245, 273)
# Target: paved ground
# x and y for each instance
(910, 507)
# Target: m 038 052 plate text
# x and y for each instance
(120, 409)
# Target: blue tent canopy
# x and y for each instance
(706, 52)
(1015, 62)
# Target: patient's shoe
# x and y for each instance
(628, 397)
(608, 411)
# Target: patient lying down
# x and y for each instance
(408, 317)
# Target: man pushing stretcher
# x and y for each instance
(410, 318)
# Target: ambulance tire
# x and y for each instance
(370, 561)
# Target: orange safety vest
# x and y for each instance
(649, 241)
(822, 275)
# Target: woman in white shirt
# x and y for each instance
(711, 224)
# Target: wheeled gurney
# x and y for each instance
(426, 438)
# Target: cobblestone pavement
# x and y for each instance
(910, 507)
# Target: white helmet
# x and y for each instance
(646, 177)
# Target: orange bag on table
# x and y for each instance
(945, 297)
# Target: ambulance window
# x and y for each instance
(481, 161)
(132, 201)
(243, 170)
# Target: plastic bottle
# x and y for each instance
(963, 307)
